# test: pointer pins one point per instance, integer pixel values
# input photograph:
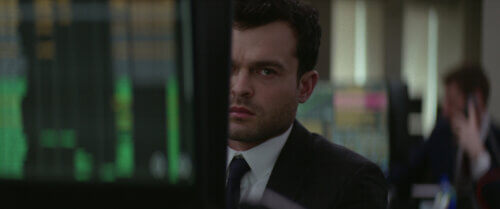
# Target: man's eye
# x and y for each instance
(266, 71)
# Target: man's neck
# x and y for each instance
(243, 146)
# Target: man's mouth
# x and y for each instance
(240, 112)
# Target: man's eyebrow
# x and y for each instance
(270, 63)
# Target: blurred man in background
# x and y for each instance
(464, 144)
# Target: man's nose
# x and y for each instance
(241, 84)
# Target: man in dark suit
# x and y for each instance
(464, 145)
(274, 51)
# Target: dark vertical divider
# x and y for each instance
(212, 38)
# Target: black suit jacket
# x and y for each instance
(317, 174)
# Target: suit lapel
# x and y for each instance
(288, 173)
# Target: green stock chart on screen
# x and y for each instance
(96, 91)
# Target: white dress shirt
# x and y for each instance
(261, 160)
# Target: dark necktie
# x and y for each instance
(237, 169)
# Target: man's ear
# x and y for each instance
(307, 83)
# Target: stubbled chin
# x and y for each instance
(239, 126)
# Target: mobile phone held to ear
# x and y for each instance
(473, 99)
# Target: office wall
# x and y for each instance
(491, 51)
(323, 65)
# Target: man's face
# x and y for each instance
(264, 90)
(454, 101)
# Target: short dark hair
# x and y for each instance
(301, 17)
(470, 78)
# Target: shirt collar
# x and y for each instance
(262, 157)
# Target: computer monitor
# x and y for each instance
(118, 101)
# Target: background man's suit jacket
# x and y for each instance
(317, 174)
(438, 154)
(436, 158)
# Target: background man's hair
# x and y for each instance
(301, 17)
(470, 78)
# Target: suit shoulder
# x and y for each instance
(335, 176)
(336, 157)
